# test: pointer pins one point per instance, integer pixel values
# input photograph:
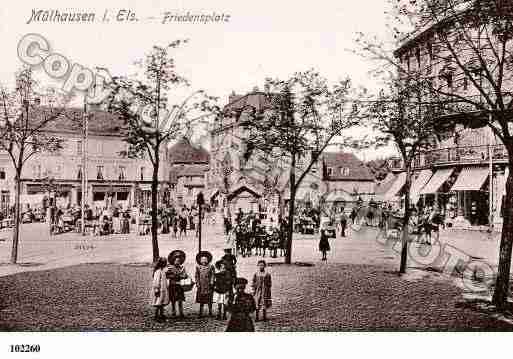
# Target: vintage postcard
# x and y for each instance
(265, 166)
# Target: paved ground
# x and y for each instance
(82, 283)
(326, 297)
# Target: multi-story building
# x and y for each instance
(244, 182)
(464, 173)
(188, 165)
(113, 178)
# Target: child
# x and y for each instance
(223, 285)
(243, 305)
(262, 289)
(175, 273)
(159, 291)
(205, 281)
(230, 261)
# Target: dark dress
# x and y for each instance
(324, 244)
(240, 321)
(175, 274)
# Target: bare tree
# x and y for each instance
(26, 112)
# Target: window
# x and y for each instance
(99, 172)
(189, 191)
(79, 172)
(79, 148)
(2, 174)
(58, 171)
(345, 171)
(122, 173)
(142, 173)
(99, 147)
(36, 171)
(330, 171)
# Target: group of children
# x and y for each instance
(214, 284)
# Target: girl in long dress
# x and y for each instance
(175, 273)
(205, 282)
(159, 290)
(262, 289)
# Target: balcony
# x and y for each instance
(465, 155)
(462, 155)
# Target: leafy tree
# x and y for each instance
(306, 115)
(153, 119)
(26, 111)
(464, 50)
(411, 125)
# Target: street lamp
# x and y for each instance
(200, 201)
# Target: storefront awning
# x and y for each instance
(470, 179)
(396, 187)
(419, 183)
(437, 180)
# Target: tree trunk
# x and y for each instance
(502, 286)
(406, 220)
(154, 209)
(290, 229)
(16, 229)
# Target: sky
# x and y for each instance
(261, 39)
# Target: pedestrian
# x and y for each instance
(223, 288)
(262, 290)
(343, 222)
(159, 295)
(176, 273)
(241, 308)
(204, 281)
(175, 226)
(183, 226)
(165, 222)
(324, 244)
(353, 215)
(230, 262)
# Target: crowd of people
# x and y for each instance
(215, 284)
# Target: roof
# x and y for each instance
(187, 170)
(358, 171)
(258, 100)
(383, 186)
(185, 152)
(69, 120)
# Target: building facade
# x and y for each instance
(259, 181)
(464, 172)
(113, 178)
(188, 165)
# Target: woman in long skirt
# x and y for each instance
(324, 244)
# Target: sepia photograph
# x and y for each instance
(230, 166)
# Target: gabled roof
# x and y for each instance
(357, 169)
(185, 152)
(258, 100)
(187, 170)
(69, 120)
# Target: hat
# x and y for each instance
(204, 254)
(176, 253)
(228, 249)
(241, 281)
